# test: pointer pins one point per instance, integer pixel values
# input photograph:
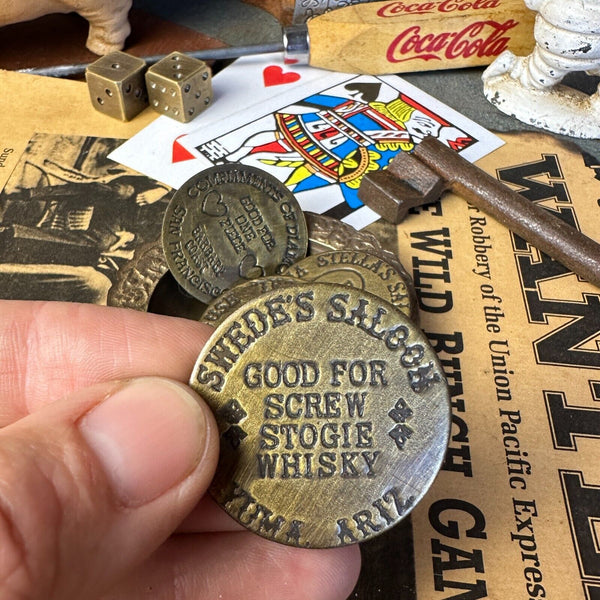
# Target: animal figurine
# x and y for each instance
(108, 19)
(567, 37)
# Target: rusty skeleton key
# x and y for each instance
(420, 177)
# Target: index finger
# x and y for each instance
(49, 349)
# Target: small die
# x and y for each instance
(179, 86)
(116, 85)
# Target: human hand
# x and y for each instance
(104, 463)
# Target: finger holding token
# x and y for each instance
(333, 414)
(230, 223)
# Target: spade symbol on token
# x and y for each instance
(213, 205)
(233, 412)
(249, 269)
(234, 435)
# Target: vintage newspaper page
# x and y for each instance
(74, 225)
(515, 512)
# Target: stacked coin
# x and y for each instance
(231, 223)
(340, 254)
(332, 407)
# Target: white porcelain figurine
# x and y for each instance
(108, 19)
(567, 36)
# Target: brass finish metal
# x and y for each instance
(137, 280)
(363, 271)
(433, 168)
(179, 86)
(326, 233)
(221, 307)
(116, 85)
(333, 414)
(231, 223)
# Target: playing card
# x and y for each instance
(321, 139)
(317, 131)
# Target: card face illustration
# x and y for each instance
(322, 144)
(317, 131)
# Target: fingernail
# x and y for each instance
(148, 435)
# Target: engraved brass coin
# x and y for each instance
(231, 223)
(326, 233)
(137, 280)
(221, 307)
(361, 270)
(333, 414)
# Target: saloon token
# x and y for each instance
(229, 223)
(326, 233)
(220, 308)
(361, 270)
(333, 414)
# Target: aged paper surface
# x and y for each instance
(74, 225)
(515, 513)
(30, 104)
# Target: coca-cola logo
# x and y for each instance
(393, 9)
(481, 39)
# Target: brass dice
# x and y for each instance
(116, 85)
(179, 86)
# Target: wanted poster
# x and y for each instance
(515, 511)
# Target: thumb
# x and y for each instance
(92, 484)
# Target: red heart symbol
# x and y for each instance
(179, 153)
(274, 75)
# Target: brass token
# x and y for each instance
(326, 233)
(360, 270)
(228, 223)
(333, 414)
(138, 278)
(221, 307)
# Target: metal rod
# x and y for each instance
(77, 70)
(533, 223)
